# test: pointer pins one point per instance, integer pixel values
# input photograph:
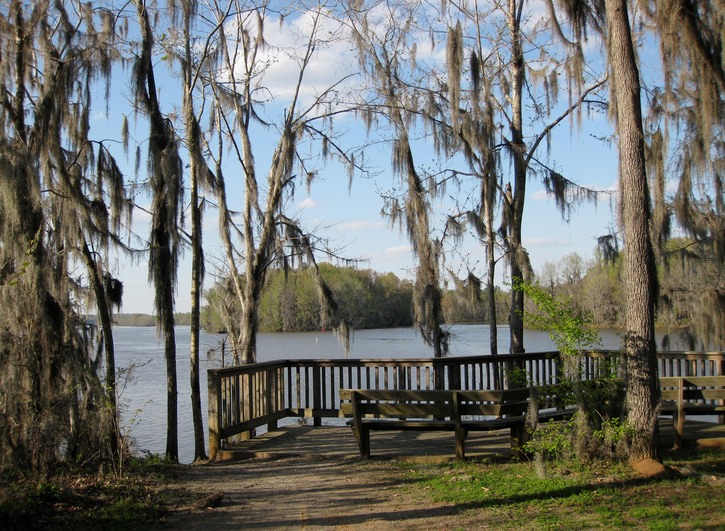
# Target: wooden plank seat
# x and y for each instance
(458, 411)
(691, 395)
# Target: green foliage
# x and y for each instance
(551, 440)
(688, 271)
(613, 432)
(516, 377)
(601, 398)
(568, 329)
(591, 432)
(576, 440)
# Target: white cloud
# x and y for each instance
(308, 203)
(286, 42)
(362, 225)
(398, 250)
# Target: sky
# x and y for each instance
(349, 217)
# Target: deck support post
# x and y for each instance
(214, 415)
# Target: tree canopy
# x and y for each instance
(468, 126)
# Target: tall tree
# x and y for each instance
(705, 79)
(61, 202)
(165, 181)
(199, 176)
(639, 271)
(266, 236)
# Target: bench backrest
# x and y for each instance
(397, 403)
(433, 403)
(693, 388)
(493, 403)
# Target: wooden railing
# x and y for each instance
(246, 397)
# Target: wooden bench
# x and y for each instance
(428, 410)
(691, 395)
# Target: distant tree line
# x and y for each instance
(690, 300)
(688, 303)
(289, 300)
(366, 298)
(144, 319)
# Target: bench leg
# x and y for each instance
(461, 444)
(364, 441)
(353, 427)
(678, 425)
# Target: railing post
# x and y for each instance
(247, 404)
(213, 413)
(316, 395)
(454, 376)
(271, 398)
(438, 374)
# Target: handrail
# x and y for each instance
(243, 398)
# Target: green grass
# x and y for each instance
(509, 495)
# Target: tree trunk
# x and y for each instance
(104, 316)
(489, 195)
(165, 308)
(516, 322)
(172, 422)
(196, 165)
(249, 324)
(197, 267)
(640, 276)
(165, 184)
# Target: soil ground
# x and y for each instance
(307, 493)
(310, 479)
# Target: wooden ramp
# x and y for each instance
(338, 441)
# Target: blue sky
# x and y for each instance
(350, 218)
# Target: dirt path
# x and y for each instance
(306, 493)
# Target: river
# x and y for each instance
(142, 369)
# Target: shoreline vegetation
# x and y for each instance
(144, 319)
(369, 299)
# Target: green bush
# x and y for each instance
(591, 432)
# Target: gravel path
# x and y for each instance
(306, 493)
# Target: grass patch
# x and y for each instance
(507, 495)
(82, 500)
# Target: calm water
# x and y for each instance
(142, 378)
